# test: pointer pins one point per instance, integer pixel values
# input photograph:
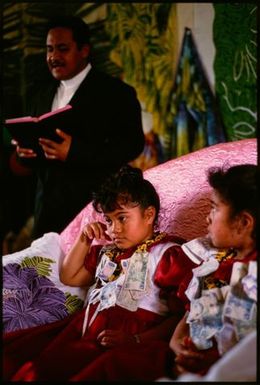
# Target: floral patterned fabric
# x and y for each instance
(32, 292)
(28, 299)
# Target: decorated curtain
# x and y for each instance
(196, 121)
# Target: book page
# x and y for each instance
(55, 112)
(23, 119)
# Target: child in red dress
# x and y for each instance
(222, 292)
(125, 304)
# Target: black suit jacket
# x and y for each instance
(106, 133)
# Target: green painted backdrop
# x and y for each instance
(235, 67)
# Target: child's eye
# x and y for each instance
(122, 218)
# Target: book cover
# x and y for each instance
(27, 130)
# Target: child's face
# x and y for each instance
(221, 228)
(130, 225)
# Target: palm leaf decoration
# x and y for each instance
(73, 303)
(41, 264)
(142, 36)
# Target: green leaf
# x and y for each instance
(41, 264)
(73, 303)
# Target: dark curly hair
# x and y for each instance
(237, 186)
(126, 187)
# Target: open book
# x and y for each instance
(27, 130)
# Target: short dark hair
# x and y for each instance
(127, 186)
(79, 28)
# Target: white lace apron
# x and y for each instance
(132, 289)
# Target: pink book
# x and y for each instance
(27, 130)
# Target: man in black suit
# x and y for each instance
(106, 128)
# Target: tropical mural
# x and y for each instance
(138, 42)
(142, 37)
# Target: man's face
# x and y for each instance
(64, 58)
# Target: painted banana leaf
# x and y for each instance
(143, 43)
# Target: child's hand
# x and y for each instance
(95, 230)
(186, 354)
(111, 338)
(193, 360)
(181, 343)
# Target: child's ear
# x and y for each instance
(150, 214)
(247, 221)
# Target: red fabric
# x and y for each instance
(90, 262)
(58, 352)
(23, 345)
(174, 271)
(142, 362)
(59, 348)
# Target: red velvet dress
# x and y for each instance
(149, 361)
(57, 351)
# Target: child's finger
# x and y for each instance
(100, 230)
(88, 232)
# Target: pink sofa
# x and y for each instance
(183, 189)
(184, 192)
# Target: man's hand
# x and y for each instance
(54, 150)
(23, 152)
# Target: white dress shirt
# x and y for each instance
(67, 88)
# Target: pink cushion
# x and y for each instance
(183, 189)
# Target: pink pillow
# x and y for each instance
(183, 189)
